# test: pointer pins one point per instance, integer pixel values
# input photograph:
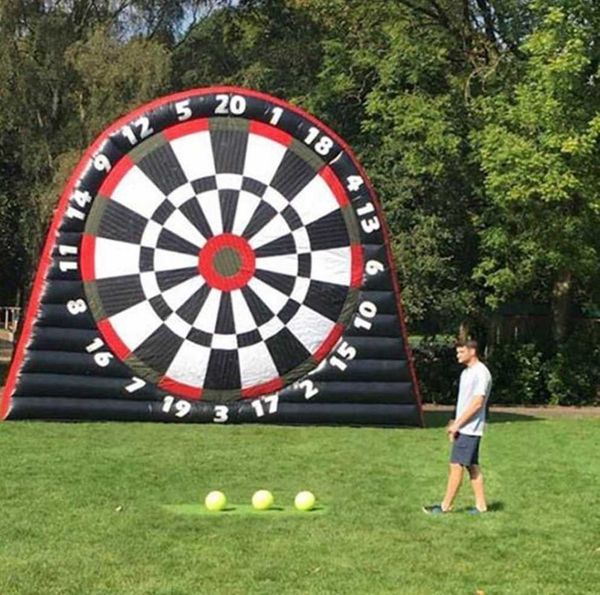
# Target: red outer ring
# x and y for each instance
(184, 128)
(46, 255)
(112, 338)
(179, 388)
(115, 176)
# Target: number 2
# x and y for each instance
(310, 390)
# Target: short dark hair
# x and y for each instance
(469, 344)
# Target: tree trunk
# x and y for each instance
(561, 306)
(464, 331)
(493, 333)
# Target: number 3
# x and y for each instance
(221, 414)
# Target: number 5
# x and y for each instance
(183, 110)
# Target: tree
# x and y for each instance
(66, 70)
(539, 151)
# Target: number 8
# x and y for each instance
(76, 306)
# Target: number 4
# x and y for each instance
(354, 183)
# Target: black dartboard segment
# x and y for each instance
(217, 255)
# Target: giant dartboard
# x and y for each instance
(218, 255)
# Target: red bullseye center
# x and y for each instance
(227, 262)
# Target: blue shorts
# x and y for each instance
(465, 450)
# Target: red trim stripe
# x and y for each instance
(271, 132)
(335, 185)
(186, 128)
(115, 175)
(329, 343)
(262, 389)
(356, 251)
(179, 388)
(86, 257)
(113, 340)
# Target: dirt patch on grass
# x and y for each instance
(539, 411)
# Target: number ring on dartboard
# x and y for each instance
(221, 259)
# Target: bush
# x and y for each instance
(574, 372)
(523, 373)
(437, 369)
(518, 374)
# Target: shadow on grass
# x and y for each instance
(271, 509)
(198, 509)
(439, 419)
(495, 506)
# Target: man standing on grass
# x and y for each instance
(466, 430)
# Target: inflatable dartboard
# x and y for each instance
(218, 255)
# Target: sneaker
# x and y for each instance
(476, 511)
(434, 509)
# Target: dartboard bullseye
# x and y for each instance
(221, 260)
(227, 262)
(218, 255)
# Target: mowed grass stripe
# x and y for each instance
(61, 533)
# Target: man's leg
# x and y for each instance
(455, 478)
(477, 485)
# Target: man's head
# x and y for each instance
(467, 352)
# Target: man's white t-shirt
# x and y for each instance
(474, 380)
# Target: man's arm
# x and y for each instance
(475, 405)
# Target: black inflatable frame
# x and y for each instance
(53, 376)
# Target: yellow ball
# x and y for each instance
(215, 501)
(304, 501)
(262, 500)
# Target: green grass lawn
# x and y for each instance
(62, 485)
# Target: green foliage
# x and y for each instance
(524, 373)
(574, 372)
(437, 369)
(110, 80)
(541, 161)
(271, 46)
(63, 76)
(3, 371)
(518, 374)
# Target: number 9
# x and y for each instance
(101, 162)
(373, 267)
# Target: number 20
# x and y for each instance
(235, 105)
